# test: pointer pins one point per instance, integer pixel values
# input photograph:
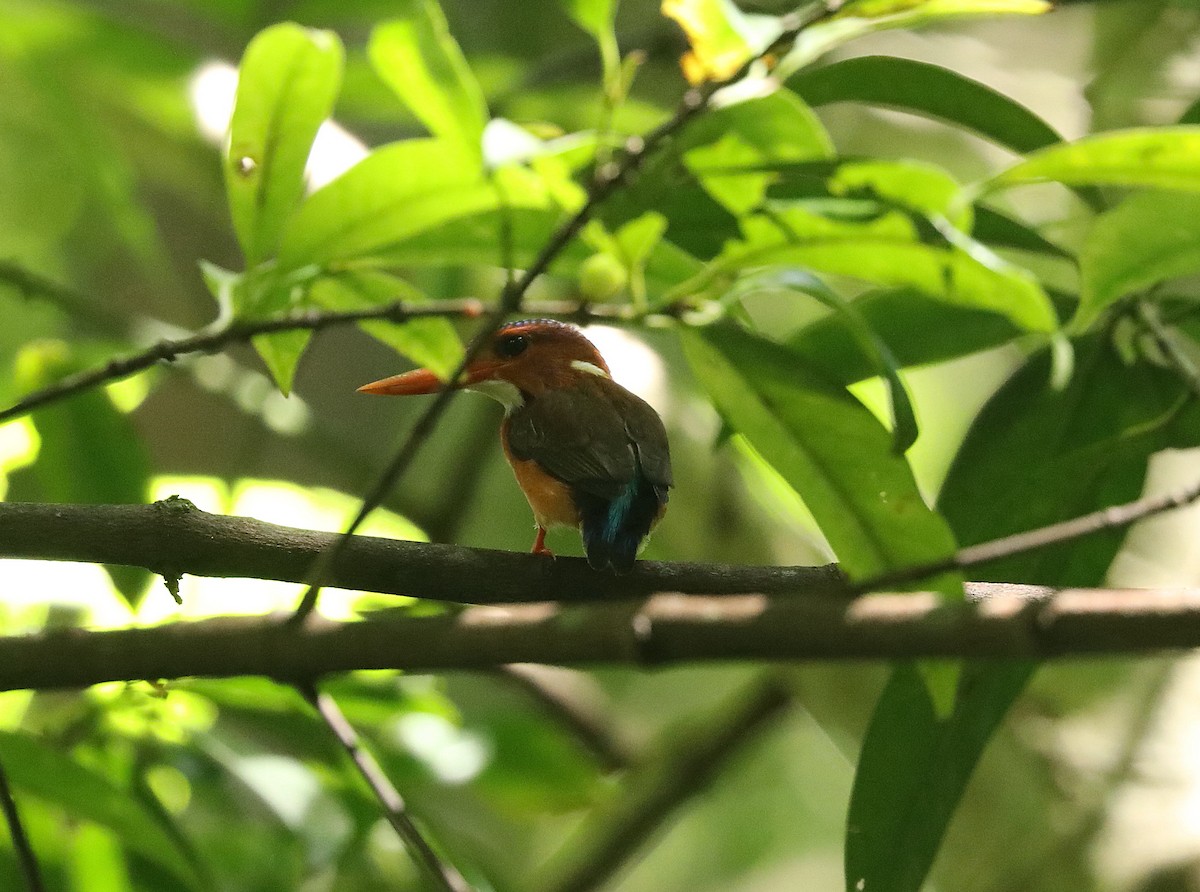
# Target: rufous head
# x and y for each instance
(520, 359)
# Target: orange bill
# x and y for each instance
(416, 381)
(425, 381)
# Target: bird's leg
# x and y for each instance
(539, 544)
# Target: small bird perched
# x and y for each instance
(586, 452)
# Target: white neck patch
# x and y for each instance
(503, 392)
(588, 368)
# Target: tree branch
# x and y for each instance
(444, 876)
(1110, 518)
(237, 331)
(1000, 622)
(174, 538)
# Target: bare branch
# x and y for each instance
(443, 876)
(1111, 518)
(26, 859)
(237, 331)
(174, 538)
(688, 768)
(997, 622)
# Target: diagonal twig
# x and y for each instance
(443, 875)
(26, 859)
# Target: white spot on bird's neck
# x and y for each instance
(504, 392)
(589, 368)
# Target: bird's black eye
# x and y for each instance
(511, 345)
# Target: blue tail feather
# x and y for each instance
(613, 529)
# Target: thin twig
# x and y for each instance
(686, 770)
(1112, 518)
(237, 331)
(443, 875)
(26, 859)
(605, 182)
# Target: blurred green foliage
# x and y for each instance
(921, 254)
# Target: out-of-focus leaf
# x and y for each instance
(733, 148)
(828, 446)
(866, 341)
(912, 771)
(81, 793)
(1191, 115)
(288, 80)
(721, 36)
(395, 193)
(863, 17)
(885, 251)
(432, 342)
(419, 59)
(1148, 238)
(922, 188)
(928, 90)
(594, 16)
(1082, 448)
(718, 168)
(1161, 158)
(90, 453)
(917, 329)
(1001, 231)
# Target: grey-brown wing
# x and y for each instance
(575, 435)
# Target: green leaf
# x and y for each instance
(287, 83)
(913, 769)
(41, 771)
(419, 59)
(867, 342)
(1148, 238)
(927, 90)
(1001, 231)
(431, 342)
(885, 251)
(1161, 158)
(1082, 447)
(596, 17)
(857, 19)
(732, 149)
(917, 329)
(394, 193)
(828, 447)
(593, 16)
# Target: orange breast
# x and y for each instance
(549, 498)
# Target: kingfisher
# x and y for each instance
(586, 452)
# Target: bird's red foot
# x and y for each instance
(539, 544)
